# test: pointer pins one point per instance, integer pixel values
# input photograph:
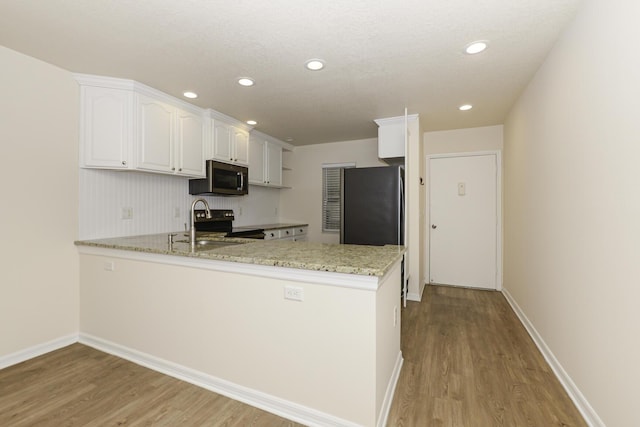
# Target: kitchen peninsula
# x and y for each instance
(308, 331)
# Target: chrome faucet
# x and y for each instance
(192, 232)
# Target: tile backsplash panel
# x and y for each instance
(153, 201)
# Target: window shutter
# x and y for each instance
(331, 188)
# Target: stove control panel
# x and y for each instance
(216, 215)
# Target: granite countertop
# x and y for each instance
(277, 226)
(350, 259)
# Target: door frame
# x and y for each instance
(427, 223)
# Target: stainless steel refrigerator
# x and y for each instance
(372, 206)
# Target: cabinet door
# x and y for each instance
(274, 164)
(241, 147)
(189, 146)
(271, 234)
(256, 161)
(155, 135)
(106, 127)
(222, 142)
(391, 137)
(286, 234)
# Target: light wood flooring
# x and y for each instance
(468, 362)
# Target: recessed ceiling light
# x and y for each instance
(190, 95)
(465, 107)
(252, 122)
(289, 139)
(476, 47)
(314, 64)
(246, 81)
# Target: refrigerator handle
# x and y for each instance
(341, 205)
(401, 219)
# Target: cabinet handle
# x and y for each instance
(124, 163)
(173, 169)
(180, 170)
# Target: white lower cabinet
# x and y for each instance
(271, 234)
(296, 234)
(300, 234)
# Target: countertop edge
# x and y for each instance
(346, 280)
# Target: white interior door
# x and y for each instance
(463, 233)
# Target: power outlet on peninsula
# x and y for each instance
(294, 293)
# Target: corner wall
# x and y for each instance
(39, 182)
(572, 207)
(304, 201)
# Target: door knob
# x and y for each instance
(434, 226)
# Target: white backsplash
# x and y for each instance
(154, 200)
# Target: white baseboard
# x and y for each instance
(413, 297)
(281, 407)
(36, 350)
(391, 390)
(589, 414)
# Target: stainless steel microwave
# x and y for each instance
(222, 179)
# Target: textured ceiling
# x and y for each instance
(381, 55)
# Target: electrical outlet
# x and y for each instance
(109, 265)
(276, 211)
(395, 316)
(239, 210)
(176, 212)
(294, 293)
(126, 213)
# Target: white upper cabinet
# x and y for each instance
(156, 137)
(170, 139)
(256, 161)
(106, 128)
(222, 142)
(230, 143)
(391, 137)
(265, 160)
(241, 146)
(189, 150)
(273, 164)
(127, 125)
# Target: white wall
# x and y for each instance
(334, 352)
(572, 206)
(414, 217)
(486, 138)
(39, 180)
(154, 199)
(304, 201)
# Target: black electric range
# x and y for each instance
(222, 221)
